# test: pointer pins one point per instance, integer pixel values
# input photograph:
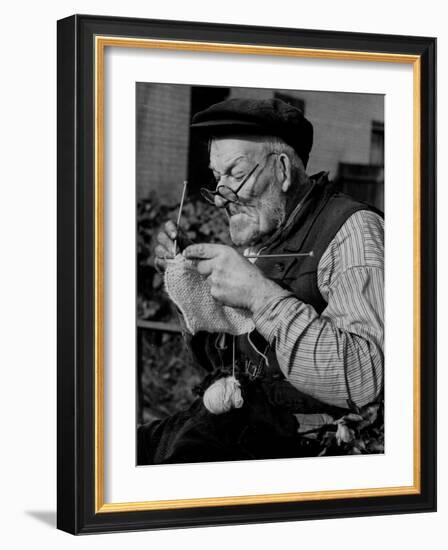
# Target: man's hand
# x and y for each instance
(233, 280)
(165, 247)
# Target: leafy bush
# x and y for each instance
(355, 433)
(200, 221)
(168, 372)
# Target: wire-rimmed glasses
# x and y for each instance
(226, 192)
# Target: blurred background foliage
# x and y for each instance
(167, 370)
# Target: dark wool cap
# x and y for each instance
(258, 116)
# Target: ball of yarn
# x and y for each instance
(223, 395)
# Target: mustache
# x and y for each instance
(275, 210)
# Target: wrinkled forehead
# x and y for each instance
(223, 150)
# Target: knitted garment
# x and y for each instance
(189, 290)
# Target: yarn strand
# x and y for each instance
(257, 350)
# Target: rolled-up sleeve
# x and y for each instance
(336, 356)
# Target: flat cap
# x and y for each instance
(272, 117)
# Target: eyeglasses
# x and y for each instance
(227, 193)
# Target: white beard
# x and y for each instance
(248, 228)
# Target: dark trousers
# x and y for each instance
(259, 430)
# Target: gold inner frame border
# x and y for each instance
(100, 44)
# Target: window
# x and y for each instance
(377, 144)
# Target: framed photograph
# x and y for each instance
(246, 274)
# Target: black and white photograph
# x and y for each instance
(260, 273)
(222, 243)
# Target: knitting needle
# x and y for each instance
(233, 356)
(292, 255)
(179, 214)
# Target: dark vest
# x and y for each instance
(312, 228)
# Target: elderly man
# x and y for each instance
(317, 348)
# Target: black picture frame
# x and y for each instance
(77, 508)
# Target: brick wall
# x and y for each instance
(163, 118)
(342, 124)
(342, 127)
(342, 132)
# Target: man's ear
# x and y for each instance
(284, 167)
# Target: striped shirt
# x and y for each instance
(337, 356)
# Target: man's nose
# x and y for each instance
(220, 202)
